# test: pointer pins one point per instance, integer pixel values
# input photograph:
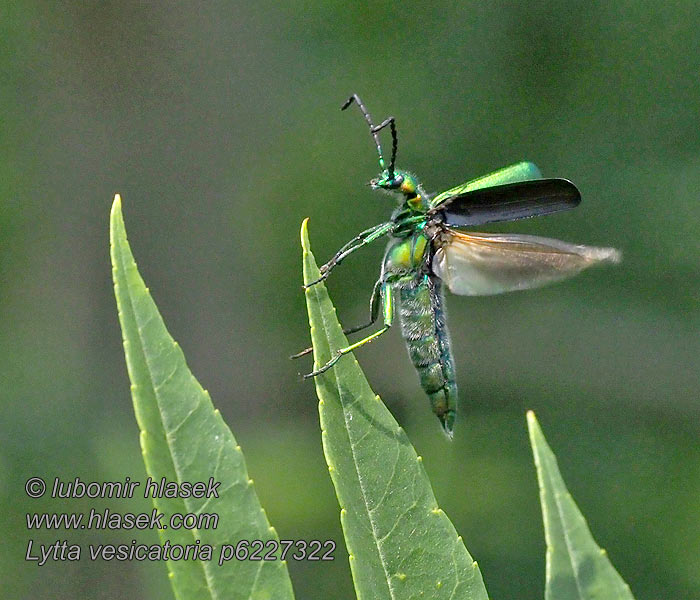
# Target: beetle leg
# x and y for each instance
(364, 238)
(373, 314)
(387, 295)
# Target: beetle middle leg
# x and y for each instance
(387, 296)
(373, 315)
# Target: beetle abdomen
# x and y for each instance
(423, 328)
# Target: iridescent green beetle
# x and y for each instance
(424, 251)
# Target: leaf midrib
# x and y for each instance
(176, 466)
(375, 537)
(569, 553)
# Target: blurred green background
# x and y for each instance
(219, 125)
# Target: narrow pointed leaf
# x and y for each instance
(184, 439)
(577, 568)
(401, 545)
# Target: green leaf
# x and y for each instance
(401, 544)
(184, 439)
(577, 568)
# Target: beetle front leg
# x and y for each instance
(364, 238)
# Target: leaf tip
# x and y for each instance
(305, 234)
(115, 215)
(537, 439)
(533, 425)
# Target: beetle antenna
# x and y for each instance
(394, 141)
(374, 130)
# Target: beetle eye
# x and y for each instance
(396, 181)
(387, 183)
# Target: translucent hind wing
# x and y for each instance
(522, 171)
(482, 264)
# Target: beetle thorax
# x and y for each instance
(413, 194)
